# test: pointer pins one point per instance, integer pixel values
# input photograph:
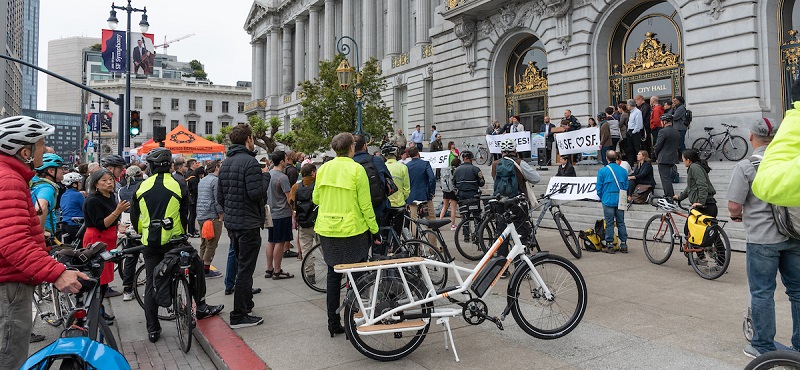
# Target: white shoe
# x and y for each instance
(127, 296)
(453, 228)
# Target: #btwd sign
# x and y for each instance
(436, 159)
(573, 188)
(572, 142)
(523, 140)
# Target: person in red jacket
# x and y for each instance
(24, 262)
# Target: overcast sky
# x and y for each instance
(220, 41)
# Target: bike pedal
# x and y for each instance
(498, 323)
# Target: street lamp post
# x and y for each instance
(100, 107)
(144, 26)
(345, 75)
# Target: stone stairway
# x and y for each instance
(583, 214)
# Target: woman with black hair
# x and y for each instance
(699, 189)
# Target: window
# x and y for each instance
(156, 103)
(225, 123)
(209, 128)
(156, 122)
(192, 105)
(175, 104)
(241, 107)
(428, 107)
(137, 102)
(401, 107)
(193, 126)
(224, 107)
(173, 124)
(209, 106)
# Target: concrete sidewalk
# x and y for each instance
(639, 315)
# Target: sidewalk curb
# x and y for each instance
(225, 348)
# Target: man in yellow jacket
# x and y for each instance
(345, 218)
(399, 173)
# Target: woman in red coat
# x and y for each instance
(101, 216)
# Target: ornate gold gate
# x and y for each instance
(530, 92)
(790, 66)
(653, 70)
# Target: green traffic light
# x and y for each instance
(134, 131)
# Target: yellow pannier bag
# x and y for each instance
(700, 231)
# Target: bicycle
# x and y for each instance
(482, 155)
(775, 360)
(467, 229)
(660, 236)
(734, 147)
(388, 313)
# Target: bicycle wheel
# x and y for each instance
(421, 248)
(658, 239)
(184, 317)
(487, 234)
(775, 360)
(713, 261)
(467, 239)
(140, 279)
(735, 148)
(63, 304)
(42, 296)
(483, 157)
(105, 335)
(567, 234)
(390, 293)
(429, 236)
(548, 318)
(314, 270)
(703, 145)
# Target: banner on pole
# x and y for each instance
(436, 159)
(573, 142)
(113, 50)
(94, 122)
(573, 188)
(522, 138)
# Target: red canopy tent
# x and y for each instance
(181, 141)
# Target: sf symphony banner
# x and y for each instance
(142, 54)
(113, 49)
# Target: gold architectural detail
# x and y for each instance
(300, 95)
(454, 3)
(427, 51)
(254, 104)
(287, 98)
(651, 54)
(400, 60)
(790, 54)
(531, 80)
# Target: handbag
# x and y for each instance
(622, 205)
(641, 193)
(267, 217)
(528, 186)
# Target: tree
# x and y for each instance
(197, 70)
(328, 109)
(265, 133)
(96, 47)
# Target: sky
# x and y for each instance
(220, 43)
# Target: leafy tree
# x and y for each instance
(96, 47)
(329, 110)
(197, 69)
(265, 133)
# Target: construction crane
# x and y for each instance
(166, 43)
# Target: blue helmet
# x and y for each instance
(50, 160)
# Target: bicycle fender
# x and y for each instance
(96, 354)
(519, 271)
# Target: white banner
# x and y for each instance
(522, 138)
(572, 142)
(436, 159)
(574, 188)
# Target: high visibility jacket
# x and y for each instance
(160, 197)
(778, 176)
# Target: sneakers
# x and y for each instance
(289, 254)
(623, 248)
(228, 291)
(452, 227)
(36, 338)
(127, 296)
(213, 274)
(208, 311)
(751, 352)
(245, 321)
(110, 292)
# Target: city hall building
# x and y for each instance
(460, 64)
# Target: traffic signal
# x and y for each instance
(135, 123)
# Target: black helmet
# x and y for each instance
(113, 160)
(602, 115)
(390, 149)
(467, 154)
(666, 117)
(159, 157)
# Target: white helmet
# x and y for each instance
(508, 145)
(665, 204)
(19, 131)
(71, 178)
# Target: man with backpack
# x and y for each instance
(510, 172)
(300, 199)
(378, 176)
(397, 201)
(667, 153)
(44, 191)
(681, 120)
(768, 250)
(423, 183)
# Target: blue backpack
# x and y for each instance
(505, 179)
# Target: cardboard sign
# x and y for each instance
(573, 188)
(522, 138)
(436, 159)
(572, 142)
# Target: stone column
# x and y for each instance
(369, 31)
(299, 51)
(287, 59)
(259, 70)
(347, 18)
(423, 22)
(405, 26)
(275, 62)
(393, 42)
(379, 30)
(313, 42)
(330, 27)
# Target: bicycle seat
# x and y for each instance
(487, 197)
(77, 220)
(433, 224)
(708, 128)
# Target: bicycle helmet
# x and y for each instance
(665, 205)
(666, 117)
(114, 160)
(50, 160)
(19, 131)
(390, 149)
(602, 116)
(467, 155)
(71, 178)
(159, 157)
(508, 145)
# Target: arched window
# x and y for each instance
(526, 83)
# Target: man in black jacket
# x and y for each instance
(241, 192)
(192, 180)
(468, 178)
(667, 153)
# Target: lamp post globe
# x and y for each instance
(113, 22)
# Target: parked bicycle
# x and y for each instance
(776, 360)
(467, 239)
(661, 233)
(482, 156)
(733, 147)
(388, 313)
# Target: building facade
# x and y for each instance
(460, 64)
(64, 57)
(11, 45)
(67, 140)
(30, 53)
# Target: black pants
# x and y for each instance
(666, 179)
(334, 285)
(191, 228)
(151, 260)
(634, 145)
(246, 246)
(128, 272)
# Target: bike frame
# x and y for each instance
(683, 241)
(716, 146)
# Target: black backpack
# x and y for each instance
(688, 118)
(305, 209)
(377, 188)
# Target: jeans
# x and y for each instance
(230, 270)
(151, 260)
(246, 245)
(763, 263)
(682, 144)
(612, 214)
(15, 323)
(603, 152)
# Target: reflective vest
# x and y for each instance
(159, 198)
